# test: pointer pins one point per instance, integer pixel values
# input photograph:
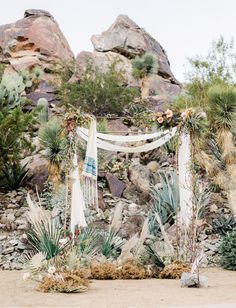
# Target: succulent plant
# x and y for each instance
(44, 110)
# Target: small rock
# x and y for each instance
(189, 280)
(8, 250)
(115, 185)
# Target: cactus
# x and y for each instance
(44, 110)
(11, 87)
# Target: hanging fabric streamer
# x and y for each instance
(77, 200)
(163, 138)
(90, 167)
(185, 179)
(121, 138)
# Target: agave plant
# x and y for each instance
(111, 243)
(166, 200)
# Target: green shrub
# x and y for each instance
(228, 251)
(99, 92)
(14, 145)
(218, 67)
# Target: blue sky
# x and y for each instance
(184, 28)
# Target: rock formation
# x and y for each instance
(35, 40)
(123, 41)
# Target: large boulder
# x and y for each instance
(127, 38)
(35, 40)
(103, 60)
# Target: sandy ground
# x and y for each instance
(14, 292)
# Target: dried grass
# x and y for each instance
(65, 282)
(104, 271)
(131, 270)
(128, 270)
(225, 141)
(174, 270)
(207, 163)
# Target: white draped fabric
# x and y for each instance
(118, 138)
(77, 200)
(109, 142)
(166, 136)
(185, 179)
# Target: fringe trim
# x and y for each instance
(90, 192)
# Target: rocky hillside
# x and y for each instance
(36, 40)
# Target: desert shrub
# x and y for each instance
(144, 66)
(228, 251)
(99, 92)
(218, 67)
(15, 143)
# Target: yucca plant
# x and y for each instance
(143, 67)
(51, 138)
(222, 101)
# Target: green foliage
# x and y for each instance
(14, 145)
(144, 66)
(223, 224)
(222, 102)
(53, 141)
(111, 243)
(14, 176)
(43, 114)
(99, 92)
(153, 254)
(228, 251)
(44, 237)
(88, 241)
(218, 67)
(166, 200)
